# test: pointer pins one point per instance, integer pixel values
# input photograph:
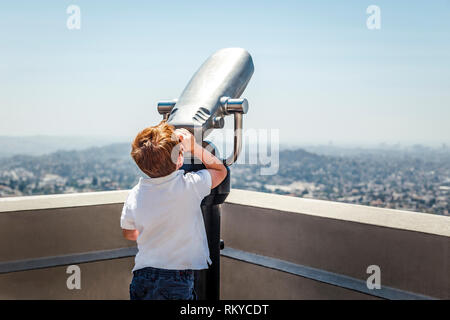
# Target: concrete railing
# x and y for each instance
(276, 247)
(329, 247)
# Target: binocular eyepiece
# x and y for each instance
(212, 93)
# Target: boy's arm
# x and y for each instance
(127, 224)
(215, 167)
(130, 234)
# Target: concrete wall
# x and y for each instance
(409, 260)
(245, 281)
(411, 248)
(107, 279)
(48, 226)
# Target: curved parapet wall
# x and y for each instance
(309, 249)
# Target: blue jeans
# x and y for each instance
(160, 284)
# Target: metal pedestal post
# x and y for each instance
(207, 282)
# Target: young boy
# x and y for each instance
(162, 213)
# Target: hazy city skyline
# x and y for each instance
(320, 74)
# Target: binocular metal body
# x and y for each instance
(213, 93)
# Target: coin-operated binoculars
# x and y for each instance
(212, 94)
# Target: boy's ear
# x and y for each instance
(180, 160)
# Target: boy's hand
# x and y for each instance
(186, 139)
(215, 166)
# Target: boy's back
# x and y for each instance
(166, 212)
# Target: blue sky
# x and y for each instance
(320, 74)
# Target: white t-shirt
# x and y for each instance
(166, 212)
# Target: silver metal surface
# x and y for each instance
(237, 143)
(211, 94)
(231, 106)
(165, 107)
(236, 107)
(224, 74)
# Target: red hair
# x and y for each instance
(152, 150)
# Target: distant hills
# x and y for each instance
(40, 145)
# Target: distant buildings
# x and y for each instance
(411, 181)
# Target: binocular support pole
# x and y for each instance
(207, 281)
